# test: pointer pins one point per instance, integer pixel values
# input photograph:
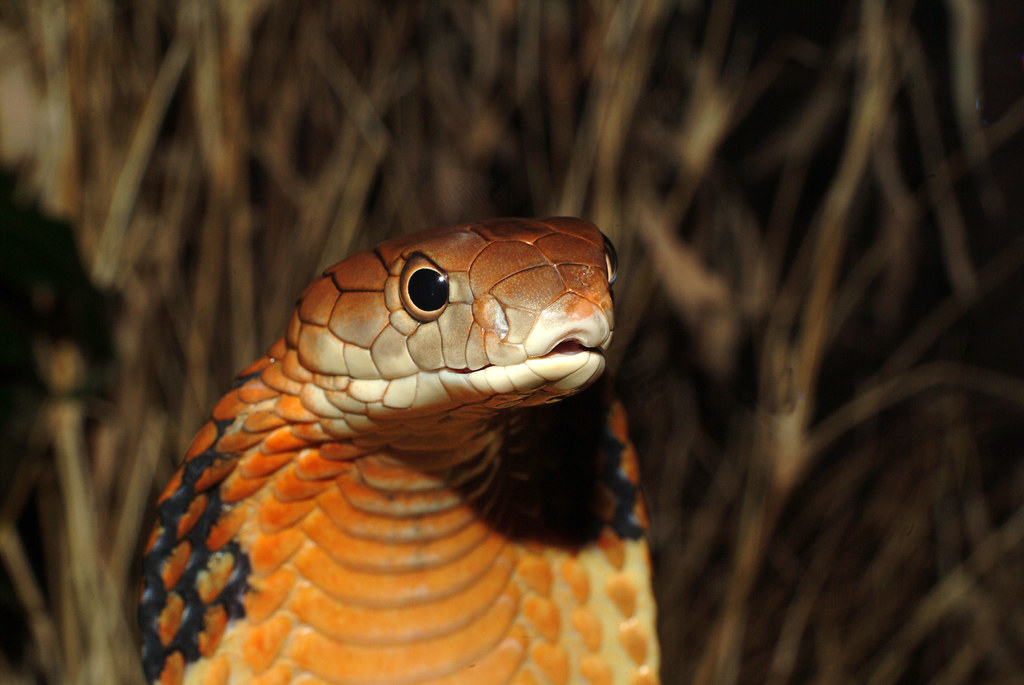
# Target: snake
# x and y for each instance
(396, 494)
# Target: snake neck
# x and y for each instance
(528, 473)
(273, 429)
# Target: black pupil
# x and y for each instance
(428, 289)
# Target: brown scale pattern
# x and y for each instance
(303, 542)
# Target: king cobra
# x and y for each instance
(385, 498)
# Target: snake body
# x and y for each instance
(384, 498)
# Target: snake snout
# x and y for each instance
(572, 324)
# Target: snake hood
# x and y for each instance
(360, 509)
(403, 342)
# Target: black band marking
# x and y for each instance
(154, 595)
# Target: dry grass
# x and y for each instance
(820, 296)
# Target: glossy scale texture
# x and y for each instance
(385, 498)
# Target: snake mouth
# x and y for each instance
(566, 367)
(565, 348)
(570, 346)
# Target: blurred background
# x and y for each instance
(818, 209)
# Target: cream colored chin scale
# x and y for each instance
(385, 499)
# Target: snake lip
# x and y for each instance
(570, 346)
(565, 348)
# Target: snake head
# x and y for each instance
(456, 322)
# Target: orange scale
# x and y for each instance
(289, 487)
(495, 667)
(623, 591)
(616, 420)
(267, 593)
(290, 408)
(310, 432)
(369, 588)
(525, 677)
(370, 554)
(237, 487)
(214, 621)
(345, 622)
(498, 259)
(283, 440)
(258, 464)
(640, 512)
(361, 524)
(572, 226)
(174, 564)
(536, 572)
(263, 422)
(269, 551)
(203, 440)
(292, 332)
(264, 641)
(458, 247)
(562, 248)
(218, 670)
(630, 464)
(361, 271)
(173, 672)
(226, 527)
(347, 518)
(275, 515)
(171, 488)
(170, 618)
(531, 289)
(596, 670)
(282, 674)
(513, 228)
(238, 441)
(613, 548)
(273, 376)
(229, 407)
(310, 465)
(586, 623)
(410, 661)
(553, 661)
(212, 579)
(214, 473)
(396, 503)
(582, 280)
(158, 531)
(277, 350)
(192, 514)
(577, 579)
(317, 301)
(341, 451)
(350, 551)
(545, 617)
(634, 639)
(293, 368)
(386, 474)
(254, 391)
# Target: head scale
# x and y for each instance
(454, 323)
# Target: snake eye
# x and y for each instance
(611, 260)
(424, 288)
